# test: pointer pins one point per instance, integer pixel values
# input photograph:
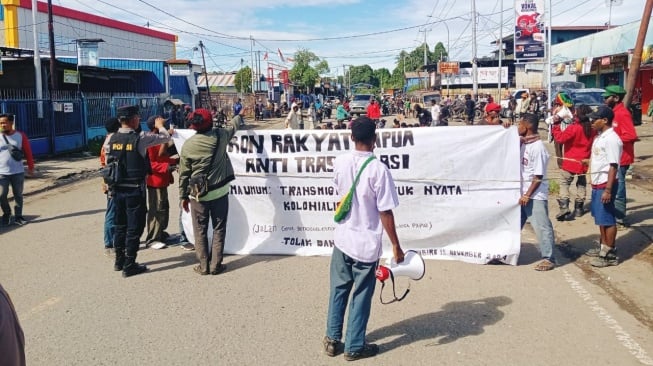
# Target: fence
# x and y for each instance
(68, 121)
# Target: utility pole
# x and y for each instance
(206, 77)
(251, 55)
(53, 59)
(637, 54)
(425, 58)
(500, 51)
(37, 61)
(474, 65)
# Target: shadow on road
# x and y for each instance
(456, 320)
(36, 220)
(183, 260)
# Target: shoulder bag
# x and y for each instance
(16, 153)
(344, 206)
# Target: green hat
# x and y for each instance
(611, 90)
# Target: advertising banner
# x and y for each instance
(530, 29)
(458, 189)
(486, 75)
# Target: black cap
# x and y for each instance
(127, 111)
(112, 124)
(602, 112)
(150, 122)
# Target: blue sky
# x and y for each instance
(369, 32)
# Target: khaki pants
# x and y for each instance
(565, 181)
(158, 211)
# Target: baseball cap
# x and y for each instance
(602, 112)
(493, 107)
(611, 90)
(127, 111)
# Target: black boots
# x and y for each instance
(133, 269)
(578, 208)
(564, 209)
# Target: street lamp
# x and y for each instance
(448, 48)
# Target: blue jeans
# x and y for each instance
(17, 182)
(620, 198)
(108, 222)
(346, 273)
(538, 213)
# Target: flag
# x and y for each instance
(281, 55)
(265, 57)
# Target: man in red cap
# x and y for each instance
(492, 114)
(204, 162)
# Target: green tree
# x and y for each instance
(307, 69)
(362, 74)
(383, 78)
(243, 80)
(439, 53)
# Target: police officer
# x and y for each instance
(130, 148)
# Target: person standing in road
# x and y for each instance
(576, 140)
(157, 181)
(525, 103)
(238, 109)
(204, 158)
(470, 107)
(129, 148)
(607, 150)
(12, 171)
(341, 113)
(292, 119)
(373, 110)
(358, 243)
(625, 129)
(435, 113)
(535, 189)
(112, 125)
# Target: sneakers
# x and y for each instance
(109, 252)
(607, 259)
(369, 350)
(594, 252)
(187, 247)
(5, 220)
(157, 245)
(20, 221)
(332, 347)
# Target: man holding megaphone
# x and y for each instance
(365, 211)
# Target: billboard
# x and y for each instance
(486, 75)
(530, 32)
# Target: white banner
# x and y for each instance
(458, 190)
(486, 75)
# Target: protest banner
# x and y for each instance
(458, 189)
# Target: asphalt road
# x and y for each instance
(271, 310)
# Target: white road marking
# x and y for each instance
(622, 336)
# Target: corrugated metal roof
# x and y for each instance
(217, 80)
(609, 42)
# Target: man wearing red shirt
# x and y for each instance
(373, 110)
(625, 129)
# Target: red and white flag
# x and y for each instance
(281, 55)
(265, 57)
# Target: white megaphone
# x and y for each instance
(412, 267)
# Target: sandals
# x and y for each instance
(198, 270)
(545, 265)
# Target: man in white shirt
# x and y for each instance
(435, 112)
(606, 153)
(535, 188)
(358, 242)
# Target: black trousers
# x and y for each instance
(128, 222)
